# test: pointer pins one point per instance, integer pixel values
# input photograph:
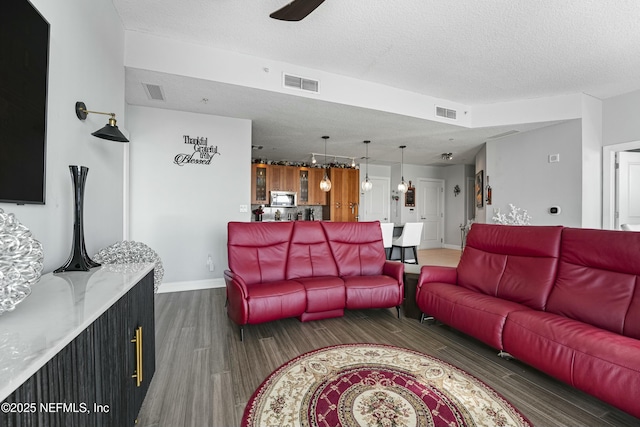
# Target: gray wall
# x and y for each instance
(620, 121)
(454, 205)
(520, 173)
(182, 211)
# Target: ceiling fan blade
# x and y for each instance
(297, 10)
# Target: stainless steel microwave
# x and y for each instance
(284, 199)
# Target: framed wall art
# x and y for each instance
(480, 189)
(410, 196)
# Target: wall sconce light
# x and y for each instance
(110, 131)
(456, 190)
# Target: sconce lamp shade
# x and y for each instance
(110, 131)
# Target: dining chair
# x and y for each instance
(410, 238)
(387, 237)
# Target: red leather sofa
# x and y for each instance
(564, 300)
(307, 269)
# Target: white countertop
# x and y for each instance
(59, 308)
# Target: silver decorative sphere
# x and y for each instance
(21, 259)
(128, 251)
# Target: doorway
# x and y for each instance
(610, 191)
(430, 203)
(627, 188)
(376, 202)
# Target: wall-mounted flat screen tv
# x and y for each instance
(24, 58)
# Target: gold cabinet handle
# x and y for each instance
(138, 342)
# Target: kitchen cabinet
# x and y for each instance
(303, 180)
(259, 190)
(309, 193)
(317, 197)
(303, 194)
(344, 195)
(85, 361)
(282, 178)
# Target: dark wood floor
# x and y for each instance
(205, 375)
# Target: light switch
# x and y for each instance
(554, 158)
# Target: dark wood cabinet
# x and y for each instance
(343, 203)
(90, 382)
(259, 190)
(303, 180)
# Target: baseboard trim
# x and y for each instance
(193, 285)
(456, 247)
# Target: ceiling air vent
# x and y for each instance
(154, 92)
(446, 113)
(300, 83)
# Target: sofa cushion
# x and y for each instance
(516, 263)
(599, 280)
(323, 293)
(309, 253)
(481, 316)
(258, 251)
(575, 353)
(371, 292)
(356, 246)
(275, 300)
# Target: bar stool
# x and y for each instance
(387, 237)
(410, 238)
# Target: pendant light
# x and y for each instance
(325, 184)
(403, 186)
(366, 184)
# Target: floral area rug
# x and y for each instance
(375, 385)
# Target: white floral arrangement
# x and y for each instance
(517, 216)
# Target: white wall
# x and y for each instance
(182, 211)
(520, 173)
(85, 64)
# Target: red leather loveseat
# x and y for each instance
(564, 300)
(307, 269)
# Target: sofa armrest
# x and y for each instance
(237, 295)
(432, 273)
(394, 269)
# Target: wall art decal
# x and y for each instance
(202, 152)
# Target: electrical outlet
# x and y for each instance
(212, 267)
(244, 208)
(554, 158)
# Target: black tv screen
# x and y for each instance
(24, 58)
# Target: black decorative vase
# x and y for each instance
(78, 259)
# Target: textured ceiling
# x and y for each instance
(468, 51)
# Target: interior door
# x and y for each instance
(628, 188)
(376, 202)
(430, 203)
